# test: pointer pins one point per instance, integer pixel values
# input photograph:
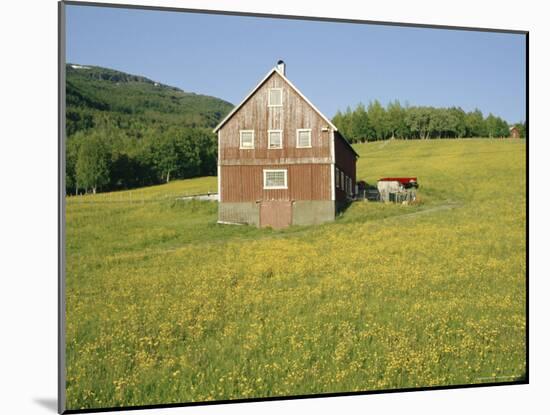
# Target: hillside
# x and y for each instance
(165, 305)
(126, 131)
(94, 92)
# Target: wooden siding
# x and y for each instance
(295, 113)
(346, 161)
(244, 183)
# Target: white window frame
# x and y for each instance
(269, 139)
(285, 186)
(241, 139)
(337, 177)
(269, 104)
(298, 131)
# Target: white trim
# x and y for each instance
(241, 140)
(309, 102)
(332, 183)
(333, 167)
(219, 169)
(332, 152)
(260, 84)
(269, 139)
(269, 104)
(219, 183)
(285, 186)
(298, 131)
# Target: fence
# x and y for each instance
(402, 196)
(137, 197)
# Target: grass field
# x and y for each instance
(164, 305)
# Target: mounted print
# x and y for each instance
(261, 207)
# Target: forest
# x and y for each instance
(126, 131)
(376, 122)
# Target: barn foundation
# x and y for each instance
(242, 212)
(304, 212)
(312, 212)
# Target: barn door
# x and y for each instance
(276, 213)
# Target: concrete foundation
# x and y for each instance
(312, 212)
(240, 213)
(304, 212)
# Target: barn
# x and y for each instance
(281, 162)
(514, 132)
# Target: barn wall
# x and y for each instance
(256, 115)
(345, 161)
(309, 169)
(244, 183)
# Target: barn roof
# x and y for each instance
(274, 70)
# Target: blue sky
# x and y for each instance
(333, 64)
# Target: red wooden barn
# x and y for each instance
(280, 160)
(514, 132)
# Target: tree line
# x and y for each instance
(108, 158)
(376, 122)
(126, 131)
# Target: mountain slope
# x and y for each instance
(98, 95)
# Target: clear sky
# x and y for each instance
(333, 64)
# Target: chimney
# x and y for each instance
(281, 67)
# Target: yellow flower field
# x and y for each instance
(166, 306)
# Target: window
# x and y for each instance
(247, 139)
(342, 180)
(275, 179)
(349, 186)
(274, 139)
(337, 177)
(275, 97)
(303, 138)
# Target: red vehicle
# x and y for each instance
(406, 182)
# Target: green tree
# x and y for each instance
(475, 125)
(496, 127)
(458, 120)
(207, 144)
(521, 127)
(92, 165)
(165, 155)
(378, 121)
(71, 157)
(418, 122)
(359, 124)
(503, 129)
(188, 153)
(396, 120)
